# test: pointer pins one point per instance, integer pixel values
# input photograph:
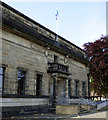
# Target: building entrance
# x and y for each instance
(60, 91)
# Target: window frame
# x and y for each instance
(24, 82)
(40, 93)
(83, 89)
(77, 88)
(55, 59)
(69, 88)
(3, 76)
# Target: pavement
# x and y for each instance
(93, 115)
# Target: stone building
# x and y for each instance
(36, 70)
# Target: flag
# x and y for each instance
(56, 15)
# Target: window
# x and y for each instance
(77, 88)
(39, 85)
(69, 88)
(84, 89)
(21, 82)
(2, 70)
(55, 58)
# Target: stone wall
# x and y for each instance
(26, 45)
(68, 109)
(23, 55)
(26, 27)
(30, 46)
(19, 52)
(24, 101)
(78, 72)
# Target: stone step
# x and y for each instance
(83, 111)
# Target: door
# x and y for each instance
(60, 91)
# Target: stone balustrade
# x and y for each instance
(58, 68)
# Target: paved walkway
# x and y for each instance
(87, 116)
(101, 114)
(41, 117)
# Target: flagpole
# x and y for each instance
(57, 30)
(57, 25)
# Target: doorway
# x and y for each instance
(60, 91)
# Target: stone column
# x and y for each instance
(66, 88)
(54, 92)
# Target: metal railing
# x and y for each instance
(102, 105)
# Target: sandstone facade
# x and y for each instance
(27, 46)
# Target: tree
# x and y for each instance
(98, 57)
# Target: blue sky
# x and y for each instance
(78, 22)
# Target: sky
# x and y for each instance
(78, 22)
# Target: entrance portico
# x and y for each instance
(60, 90)
(59, 85)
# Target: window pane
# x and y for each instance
(69, 88)
(21, 82)
(39, 85)
(84, 89)
(55, 58)
(77, 88)
(1, 70)
(1, 80)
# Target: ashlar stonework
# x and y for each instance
(38, 72)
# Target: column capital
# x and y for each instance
(54, 75)
(68, 78)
